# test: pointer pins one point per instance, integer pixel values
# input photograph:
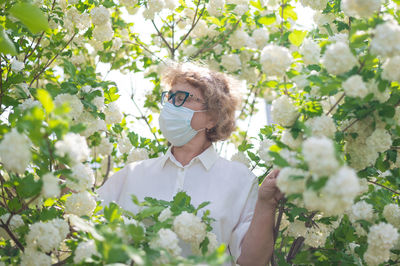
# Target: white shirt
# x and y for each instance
(230, 187)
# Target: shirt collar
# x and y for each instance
(207, 157)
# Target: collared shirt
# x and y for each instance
(230, 187)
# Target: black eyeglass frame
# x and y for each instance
(173, 94)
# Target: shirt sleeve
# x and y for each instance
(111, 189)
(246, 216)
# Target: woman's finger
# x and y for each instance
(273, 174)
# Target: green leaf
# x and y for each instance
(147, 212)
(112, 212)
(317, 184)
(31, 16)
(296, 37)
(267, 20)
(278, 160)
(137, 233)
(28, 187)
(14, 204)
(45, 99)
(6, 45)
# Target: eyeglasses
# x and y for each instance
(178, 98)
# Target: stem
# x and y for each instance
(138, 42)
(336, 103)
(385, 187)
(351, 124)
(295, 248)
(108, 170)
(13, 237)
(162, 38)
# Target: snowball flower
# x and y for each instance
(322, 126)
(360, 8)
(215, 7)
(311, 52)
(391, 212)
(391, 69)
(263, 151)
(291, 180)
(382, 235)
(44, 236)
(275, 60)
(211, 247)
(103, 33)
(361, 211)
(238, 39)
(32, 257)
(338, 58)
(105, 147)
(241, 158)
(113, 114)
(189, 228)
(319, 153)
(138, 154)
(100, 15)
(82, 178)
(80, 204)
(171, 4)
(15, 222)
(284, 112)
(16, 65)
(168, 240)
(231, 62)
(288, 139)
(15, 151)
(380, 140)
(165, 214)
(315, 4)
(355, 87)
(74, 103)
(381, 96)
(74, 146)
(261, 37)
(386, 39)
(85, 250)
(50, 188)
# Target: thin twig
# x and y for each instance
(351, 124)
(13, 237)
(336, 103)
(162, 38)
(108, 170)
(385, 187)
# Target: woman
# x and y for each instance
(199, 109)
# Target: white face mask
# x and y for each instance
(175, 124)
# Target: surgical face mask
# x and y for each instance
(175, 124)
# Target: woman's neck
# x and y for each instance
(184, 154)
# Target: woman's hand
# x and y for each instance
(268, 193)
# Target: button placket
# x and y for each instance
(180, 180)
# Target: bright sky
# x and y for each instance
(126, 82)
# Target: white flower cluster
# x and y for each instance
(390, 69)
(82, 178)
(216, 7)
(380, 140)
(138, 154)
(102, 31)
(322, 126)
(80, 204)
(165, 214)
(275, 60)
(360, 8)
(231, 62)
(338, 58)
(391, 212)
(153, 7)
(241, 158)
(47, 236)
(381, 96)
(113, 114)
(263, 150)
(293, 143)
(319, 153)
(355, 87)
(100, 15)
(72, 101)
(239, 39)
(124, 144)
(74, 146)
(315, 4)
(16, 65)
(291, 180)
(15, 222)
(168, 240)
(261, 37)
(283, 112)
(189, 228)
(311, 52)
(212, 245)
(15, 151)
(92, 124)
(361, 211)
(73, 18)
(50, 188)
(32, 257)
(85, 250)
(381, 238)
(386, 39)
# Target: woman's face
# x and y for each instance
(194, 102)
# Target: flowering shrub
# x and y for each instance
(334, 93)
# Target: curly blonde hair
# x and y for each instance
(219, 90)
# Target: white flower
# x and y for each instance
(165, 214)
(80, 204)
(231, 62)
(311, 52)
(189, 228)
(124, 144)
(288, 139)
(375, 256)
(216, 7)
(361, 211)
(44, 235)
(315, 4)
(380, 140)
(138, 154)
(291, 180)
(16, 65)
(275, 60)
(360, 8)
(15, 151)
(168, 240)
(382, 235)
(263, 151)
(338, 58)
(85, 250)
(15, 222)
(113, 114)
(355, 87)
(74, 103)
(103, 33)
(100, 15)
(250, 74)
(99, 102)
(296, 229)
(171, 4)
(28, 104)
(381, 96)
(105, 147)
(283, 112)
(241, 9)
(82, 178)
(62, 227)
(390, 69)
(386, 39)
(211, 247)
(316, 235)
(241, 158)
(261, 37)
(32, 257)
(319, 153)
(391, 212)
(74, 146)
(301, 81)
(238, 39)
(200, 30)
(50, 188)
(322, 126)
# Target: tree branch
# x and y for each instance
(385, 187)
